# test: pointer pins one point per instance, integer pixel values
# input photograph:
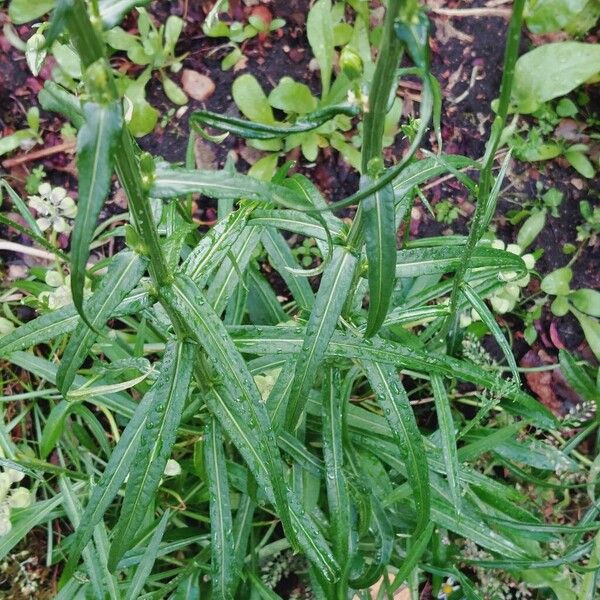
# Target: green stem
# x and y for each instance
(90, 48)
(485, 179)
(384, 79)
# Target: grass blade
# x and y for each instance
(223, 564)
(123, 275)
(380, 241)
(96, 144)
(156, 441)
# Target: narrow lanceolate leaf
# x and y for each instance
(448, 437)
(214, 246)
(221, 523)
(488, 318)
(157, 439)
(332, 294)
(105, 490)
(148, 558)
(380, 242)
(337, 490)
(188, 307)
(396, 406)
(64, 320)
(123, 275)
(96, 143)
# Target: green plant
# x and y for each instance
(24, 138)
(583, 303)
(293, 426)
(446, 212)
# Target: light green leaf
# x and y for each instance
(96, 143)
(319, 30)
(587, 301)
(580, 162)
(174, 93)
(251, 99)
(557, 282)
(23, 11)
(552, 70)
(292, 97)
(591, 330)
(531, 228)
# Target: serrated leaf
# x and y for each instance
(221, 524)
(96, 144)
(380, 240)
(157, 439)
(123, 275)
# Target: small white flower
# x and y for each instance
(54, 206)
(61, 295)
(5, 525)
(20, 498)
(172, 468)
(5, 484)
(15, 475)
(447, 588)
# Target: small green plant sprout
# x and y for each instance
(24, 138)
(54, 207)
(446, 212)
(154, 48)
(590, 229)
(583, 303)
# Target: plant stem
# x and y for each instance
(485, 179)
(91, 49)
(384, 79)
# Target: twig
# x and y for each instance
(43, 153)
(472, 12)
(21, 249)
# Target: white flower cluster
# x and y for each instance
(17, 497)
(60, 295)
(54, 207)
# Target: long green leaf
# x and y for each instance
(123, 275)
(330, 299)
(96, 144)
(112, 478)
(393, 398)
(221, 523)
(157, 439)
(380, 241)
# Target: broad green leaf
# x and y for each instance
(103, 493)
(54, 427)
(123, 275)
(580, 162)
(140, 116)
(154, 449)
(380, 240)
(221, 523)
(552, 70)
(531, 228)
(96, 143)
(557, 282)
(448, 437)
(337, 490)
(55, 98)
(393, 399)
(147, 562)
(319, 30)
(330, 299)
(173, 92)
(587, 301)
(23, 11)
(251, 99)
(292, 97)
(546, 16)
